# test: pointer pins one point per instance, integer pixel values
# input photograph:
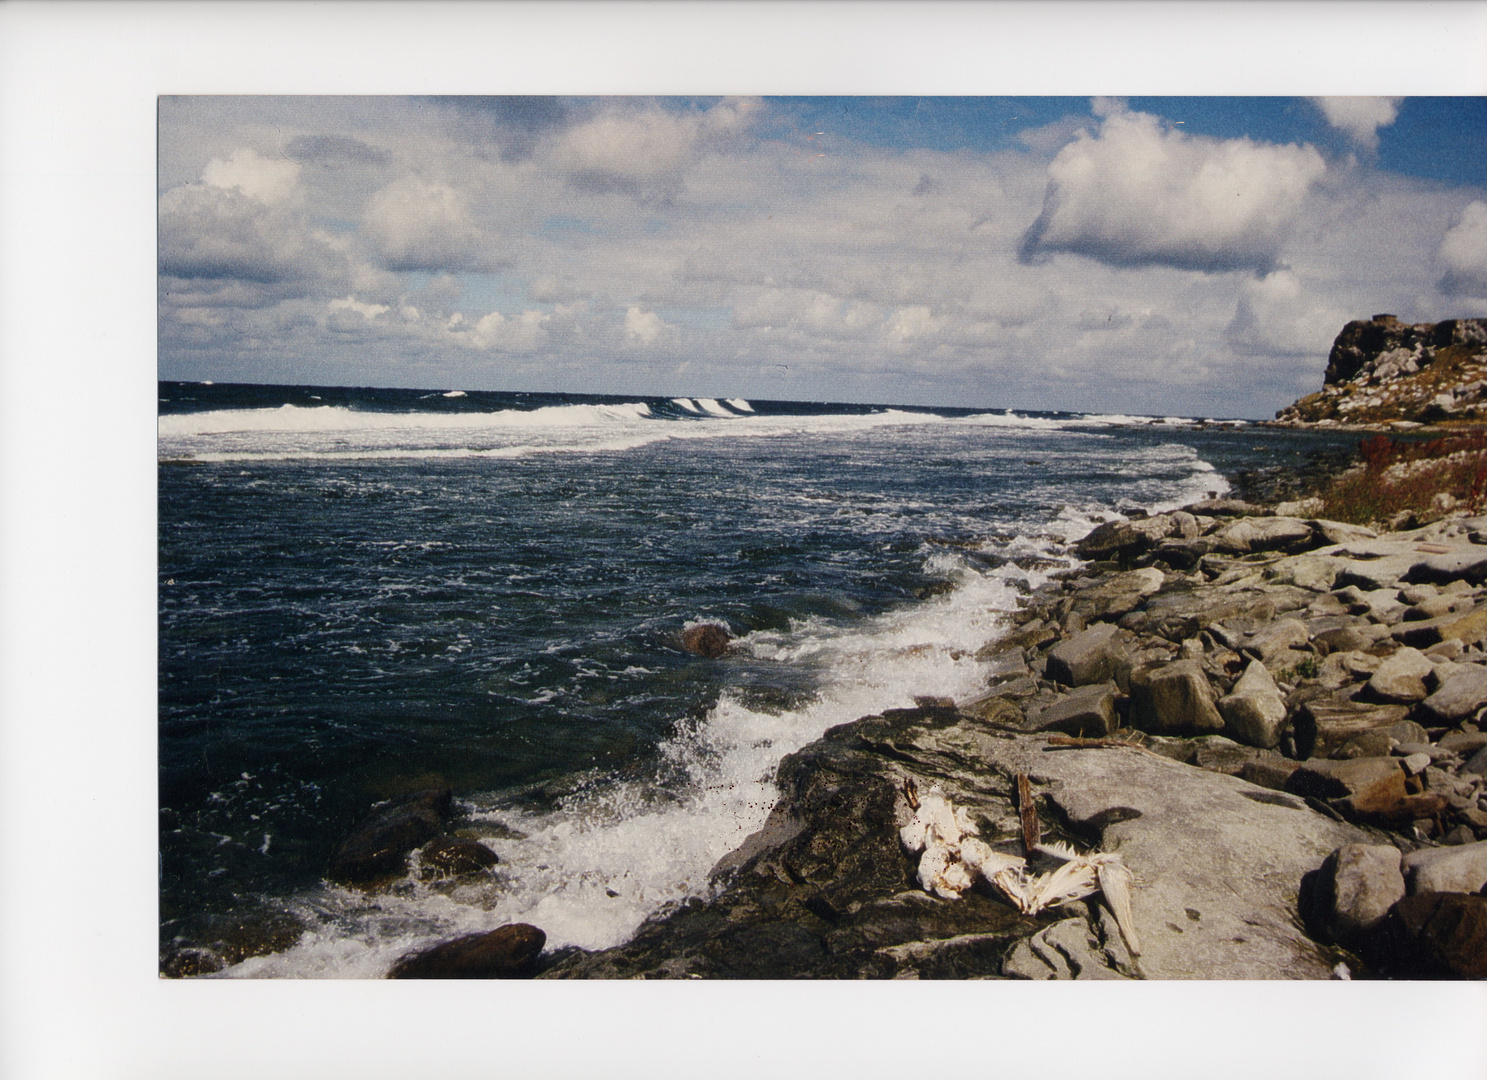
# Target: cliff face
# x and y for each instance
(1384, 370)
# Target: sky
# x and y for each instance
(1179, 255)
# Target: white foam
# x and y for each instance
(590, 872)
(293, 418)
(711, 406)
(336, 433)
(687, 403)
(740, 404)
(454, 393)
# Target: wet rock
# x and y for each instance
(709, 640)
(190, 962)
(1091, 656)
(450, 856)
(379, 844)
(1087, 711)
(1195, 840)
(1174, 699)
(1401, 678)
(507, 953)
(1460, 695)
(1433, 935)
(1449, 869)
(1355, 888)
(1254, 712)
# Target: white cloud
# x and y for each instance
(646, 148)
(212, 232)
(427, 225)
(1138, 194)
(645, 327)
(265, 179)
(1463, 252)
(523, 333)
(1275, 315)
(1360, 117)
(366, 311)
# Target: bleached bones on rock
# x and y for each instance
(951, 854)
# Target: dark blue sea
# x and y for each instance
(363, 592)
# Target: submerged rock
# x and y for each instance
(507, 953)
(450, 856)
(380, 843)
(709, 640)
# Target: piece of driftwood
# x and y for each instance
(1028, 812)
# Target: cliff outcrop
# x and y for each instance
(1383, 371)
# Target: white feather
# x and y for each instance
(1115, 883)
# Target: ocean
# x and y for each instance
(366, 592)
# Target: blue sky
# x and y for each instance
(1190, 255)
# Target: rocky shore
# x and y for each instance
(1273, 721)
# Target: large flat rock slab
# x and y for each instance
(827, 890)
(1217, 861)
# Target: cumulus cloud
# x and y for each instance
(1360, 117)
(643, 151)
(427, 225)
(1463, 253)
(1276, 315)
(808, 310)
(521, 333)
(217, 232)
(646, 327)
(1137, 194)
(266, 179)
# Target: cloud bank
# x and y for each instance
(1104, 259)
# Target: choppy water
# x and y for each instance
(363, 592)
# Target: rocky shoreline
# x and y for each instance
(1273, 721)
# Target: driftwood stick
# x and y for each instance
(1031, 830)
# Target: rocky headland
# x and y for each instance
(1383, 372)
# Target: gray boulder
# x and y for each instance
(1254, 712)
(1277, 637)
(1356, 887)
(1401, 678)
(1118, 596)
(1460, 695)
(1264, 534)
(1091, 656)
(1462, 868)
(1174, 699)
(1087, 711)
